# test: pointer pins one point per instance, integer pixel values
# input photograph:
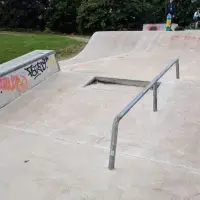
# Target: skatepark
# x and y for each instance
(55, 128)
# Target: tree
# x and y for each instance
(61, 16)
(89, 16)
(98, 15)
(92, 15)
(22, 13)
(185, 10)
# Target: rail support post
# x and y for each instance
(155, 101)
(113, 144)
(177, 69)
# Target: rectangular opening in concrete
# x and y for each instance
(117, 81)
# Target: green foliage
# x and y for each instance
(95, 15)
(92, 15)
(154, 11)
(88, 16)
(185, 11)
(61, 16)
(22, 13)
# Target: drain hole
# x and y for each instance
(117, 81)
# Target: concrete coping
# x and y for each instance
(20, 62)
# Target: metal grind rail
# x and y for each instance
(153, 84)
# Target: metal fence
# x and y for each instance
(153, 84)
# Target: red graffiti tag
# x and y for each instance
(11, 83)
(185, 37)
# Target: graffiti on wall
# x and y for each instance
(155, 27)
(185, 37)
(13, 82)
(38, 68)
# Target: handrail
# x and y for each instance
(118, 117)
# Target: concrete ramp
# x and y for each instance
(106, 44)
(103, 44)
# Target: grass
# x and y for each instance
(17, 44)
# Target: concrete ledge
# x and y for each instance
(24, 72)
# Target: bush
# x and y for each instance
(23, 14)
(61, 16)
(97, 15)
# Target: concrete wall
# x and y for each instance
(20, 74)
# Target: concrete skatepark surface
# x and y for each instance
(55, 138)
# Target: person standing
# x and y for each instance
(171, 8)
(196, 17)
(170, 15)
